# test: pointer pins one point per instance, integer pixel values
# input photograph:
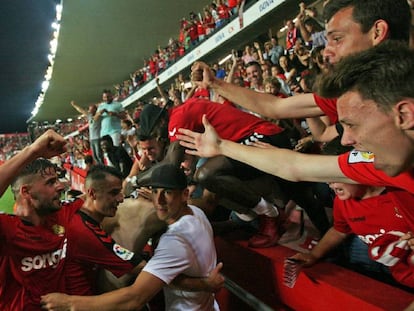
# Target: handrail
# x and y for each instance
(245, 296)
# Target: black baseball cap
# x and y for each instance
(168, 176)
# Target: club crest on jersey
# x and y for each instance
(122, 252)
(58, 229)
(360, 156)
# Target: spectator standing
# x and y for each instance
(94, 129)
(209, 22)
(233, 6)
(223, 13)
(292, 35)
(110, 113)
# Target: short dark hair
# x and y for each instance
(252, 63)
(312, 22)
(98, 173)
(127, 122)
(88, 159)
(396, 13)
(38, 166)
(384, 74)
(107, 138)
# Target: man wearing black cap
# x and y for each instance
(187, 247)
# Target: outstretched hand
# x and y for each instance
(205, 144)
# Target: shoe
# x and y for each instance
(295, 227)
(270, 231)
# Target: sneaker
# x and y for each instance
(270, 231)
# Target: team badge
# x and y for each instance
(122, 253)
(58, 229)
(360, 156)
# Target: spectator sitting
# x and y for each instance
(272, 86)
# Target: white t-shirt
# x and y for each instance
(186, 248)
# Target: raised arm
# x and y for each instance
(160, 90)
(234, 61)
(47, 145)
(285, 163)
(265, 104)
(78, 108)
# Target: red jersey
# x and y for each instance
(232, 3)
(33, 258)
(372, 219)
(192, 31)
(89, 249)
(209, 22)
(229, 122)
(328, 106)
(359, 166)
(201, 30)
(223, 11)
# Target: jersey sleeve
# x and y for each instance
(359, 166)
(328, 106)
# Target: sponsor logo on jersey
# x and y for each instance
(49, 260)
(122, 252)
(360, 156)
(369, 238)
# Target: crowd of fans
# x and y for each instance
(193, 30)
(10, 144)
